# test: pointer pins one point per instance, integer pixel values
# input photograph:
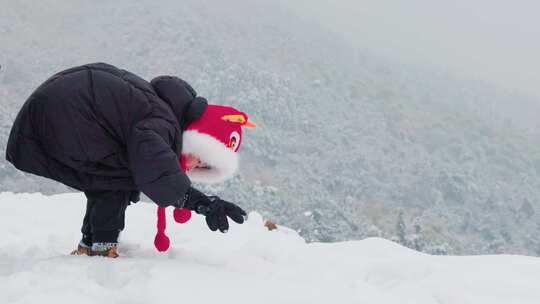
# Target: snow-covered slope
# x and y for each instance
(350, 144)
(247, 265)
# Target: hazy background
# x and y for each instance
(492, 40)
(487, 40)
(413, 121)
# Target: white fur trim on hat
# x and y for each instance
(222, 160)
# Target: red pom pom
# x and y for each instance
(182, 215)
(162, 242)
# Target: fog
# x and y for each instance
(492, 40)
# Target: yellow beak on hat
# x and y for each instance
(241, 119)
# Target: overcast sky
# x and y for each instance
(493, 40)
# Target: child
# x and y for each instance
(111, 134)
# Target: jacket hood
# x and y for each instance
(181, 97)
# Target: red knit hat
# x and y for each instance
(215, 138)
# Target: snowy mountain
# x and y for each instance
(249, 264)
(350, 144)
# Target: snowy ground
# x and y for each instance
(247, 265)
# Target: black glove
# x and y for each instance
(214, 209)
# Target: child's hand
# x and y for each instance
(215, 210)
(218, 210)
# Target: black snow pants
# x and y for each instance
(105, 214)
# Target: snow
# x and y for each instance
(249, 264)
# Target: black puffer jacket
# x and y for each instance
(97, 127)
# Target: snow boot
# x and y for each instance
(108, 250)
(81, 250)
